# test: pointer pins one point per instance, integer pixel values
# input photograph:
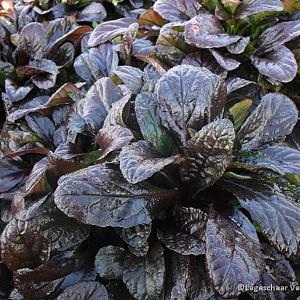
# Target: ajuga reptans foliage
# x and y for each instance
(149, 150)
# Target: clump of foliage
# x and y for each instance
(149, 149)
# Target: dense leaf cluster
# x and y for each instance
(149, 150)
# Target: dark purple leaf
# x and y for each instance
(232, 257)
(100, 196)
(188, 97)
(137, 238)
(63, 34)
(276, 214)
(12, 173)
(108, 30)
(187, 277)
(236, 83)
(208, 154)
(36, 182)
(239, 46)
(96, 63)
(57, 28)
(41, 125)
(67, 237)
(115, 115)
(31, 44)
(131, 77)
(279, 65)
(206, 31)
(15, 93)
(283, 160)
(118, 291)
(64, 56)
(109, 262)
(227, 63)
(204, 59)
(277, 35)
(273, 119)
(181, 243)
(43, 73)
(147, 114)
(112, 138)
(177, 10)
(23, 245)
(139, 161)
(278, 272)
(252, 7)
(94, 12)
(50, 278)
(84, 290)
(170, 44)
(94, 107)
(144, 276)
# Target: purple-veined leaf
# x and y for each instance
(177, 10)
(94, 107)
(112, 138)
(100, 196)
(208, 154)
(147, 114)
(232, 257)
(109, 30)
(206, 31)
(188, 97)
(131, 77)
(144, 276)
(276, 213)
(140, 160)
(227, 63)
(252, 7)
(109, 262)
(279, 64)
(31, 44)
(84, 290)
(23, 245)
(273, 119)
(96, 63)
(277, 35)
(137, 238)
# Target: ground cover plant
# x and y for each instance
(149, 150)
